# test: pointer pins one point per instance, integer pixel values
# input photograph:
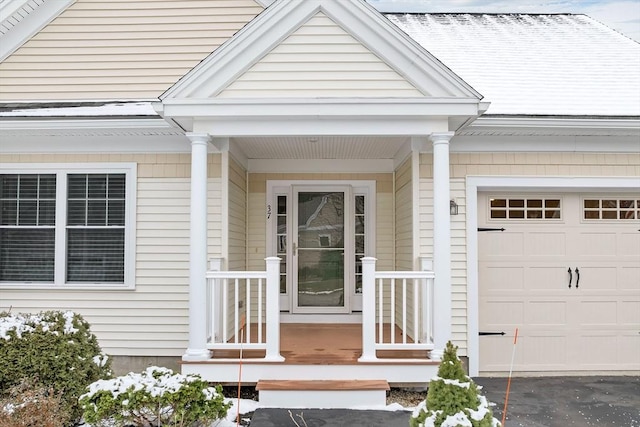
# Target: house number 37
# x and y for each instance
(268, 211)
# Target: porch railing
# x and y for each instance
(243, 309)
(393, 300)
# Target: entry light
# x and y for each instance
(453, 207)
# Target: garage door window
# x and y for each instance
(525, 209)
(611, 209)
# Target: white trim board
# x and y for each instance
(30, 25)
(476, 184)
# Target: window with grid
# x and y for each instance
(535, 208)
(95, 228)
(63, 228)
(611, 208)
(27, 227)
(360, 236)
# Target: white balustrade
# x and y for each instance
(396, 300)
(238, 302)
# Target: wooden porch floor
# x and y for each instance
(323, 344)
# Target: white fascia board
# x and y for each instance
(9, 7)
(237, 54)
(272, 26)
(36, 125)
(339, 126)
(545, 143)
(30, 25)
(398, 50)
(519, 123)
(321, 107)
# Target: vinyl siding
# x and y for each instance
(521, 164)
(404, 217)
(151, 320)
(320, 59)
(120, 49)
(237, 217)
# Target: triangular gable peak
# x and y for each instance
(269, 63)
(320, 59)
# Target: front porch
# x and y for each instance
(391, 340)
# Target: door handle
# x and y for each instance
(577, 277)
(570, 276)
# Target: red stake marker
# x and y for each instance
(506, 399)
(243, 324)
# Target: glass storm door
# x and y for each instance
(320, 237)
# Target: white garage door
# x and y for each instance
(566, 272)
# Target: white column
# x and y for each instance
(273, 310)
(368, 310)
(198, 250)
(441, 242)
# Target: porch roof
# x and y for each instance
(434, 99)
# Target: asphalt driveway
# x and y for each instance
(566, 401)
(611, 401)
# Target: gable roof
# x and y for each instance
(552, 65)
(438, 93)
(282, 18)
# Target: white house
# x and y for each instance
(331, 192)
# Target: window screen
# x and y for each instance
(27, 227)
(95, 228)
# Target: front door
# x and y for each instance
(320, 231)
(320, 255)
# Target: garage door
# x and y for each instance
(566, 272)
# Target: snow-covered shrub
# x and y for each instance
(55, 350)
(453, 399)
(26, 405)
(155, 397)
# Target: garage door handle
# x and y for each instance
(577, 277)
(570, 276)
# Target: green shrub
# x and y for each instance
(27, 405)
(55, 349)
(155, 397)
(453, 399)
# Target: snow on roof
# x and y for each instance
(535, 64)
(82, 109)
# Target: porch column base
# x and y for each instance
(364, 358)
(196, 355)
(273, 358)
(437, 354)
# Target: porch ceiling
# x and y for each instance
(320, 147)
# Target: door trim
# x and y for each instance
(477, 184)
(285, 187)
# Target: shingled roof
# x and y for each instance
(524, 64)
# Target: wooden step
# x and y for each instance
(322, 393)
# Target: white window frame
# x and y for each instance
(62, 170)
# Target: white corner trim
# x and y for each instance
(476, 184)
(264, 3)
(30, 25)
